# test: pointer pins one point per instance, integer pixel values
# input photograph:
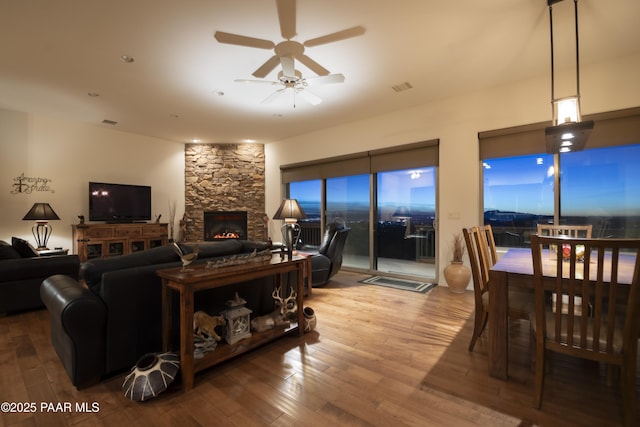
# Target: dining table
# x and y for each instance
(514, 269)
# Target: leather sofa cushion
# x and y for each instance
(24, 248)
(91, 271)
(8, 252)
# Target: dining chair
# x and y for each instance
(565, 230)
(569, 231)
(520, 302)
(605, 272)
(491, 243)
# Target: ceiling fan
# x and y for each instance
(297, 84)
(288, 51)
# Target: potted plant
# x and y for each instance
(456, 274)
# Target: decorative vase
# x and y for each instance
(457, 276)
(309, 319)
(151, 375)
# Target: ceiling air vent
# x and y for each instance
(109, 122)
(402, 87)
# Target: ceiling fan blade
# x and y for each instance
(331, 78)
(310, 97)
(268, 82)
(269, 99)
(313, 65)
(229, 38)
(287, 17)
(267, 67)
(333, 37)
(288, 68)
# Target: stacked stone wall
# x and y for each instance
(224, 177)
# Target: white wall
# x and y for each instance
(456, 122)
(71, 155)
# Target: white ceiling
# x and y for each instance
(53, 53)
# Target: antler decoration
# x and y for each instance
(287, 305)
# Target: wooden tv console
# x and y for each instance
(105, 240)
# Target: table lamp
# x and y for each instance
(41, 213)
(290, 211)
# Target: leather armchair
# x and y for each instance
(326, 259)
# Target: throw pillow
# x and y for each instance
(7, 251)
(24, 248)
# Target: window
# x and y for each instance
(598, 186)
(405, 213)
(601, 187)
(395, 186)
(309, 196)
(518, 193)
(348, 201)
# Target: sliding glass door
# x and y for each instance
(403, 205)
(387, 197)
(348, 201)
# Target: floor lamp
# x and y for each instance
(290, 211)
(41, 213)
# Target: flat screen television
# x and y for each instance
(119, 202)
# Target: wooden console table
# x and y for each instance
(199, 277)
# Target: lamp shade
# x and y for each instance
(41, 212)
(290, 209)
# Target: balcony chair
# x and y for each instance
(520, 301)
(609, 334)
(326, 259)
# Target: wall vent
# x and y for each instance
(402, 87)
(109, 122)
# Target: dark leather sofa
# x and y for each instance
(326, 259)
(22, 271)
(104, 328)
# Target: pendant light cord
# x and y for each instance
(575, 11)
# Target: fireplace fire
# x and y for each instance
(221, 225)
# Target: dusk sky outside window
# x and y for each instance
(519, 184)
(598, 186)
(594, 182)
(414, 188)
(308, 195)
(601, 182)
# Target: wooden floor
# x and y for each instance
(378, 357)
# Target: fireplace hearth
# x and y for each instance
(223, 225)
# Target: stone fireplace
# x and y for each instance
(222, 225)
(224, 178)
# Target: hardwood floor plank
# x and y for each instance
(378, 357)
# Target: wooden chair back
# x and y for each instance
(584, 231)
(605, 274)
(490, 242)
(478, 261)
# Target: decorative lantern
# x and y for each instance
(238, 320)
